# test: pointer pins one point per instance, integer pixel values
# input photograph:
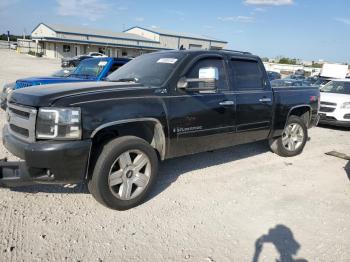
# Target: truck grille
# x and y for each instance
(20, 84)
(327, 109)
(21, 120)
(328, 103)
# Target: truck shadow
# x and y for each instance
(283, 239)
(339, 128)
(79, 189)
(169, 170)
(347, 170)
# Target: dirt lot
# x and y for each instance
(207, 207)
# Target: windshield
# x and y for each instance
(321, 81)
(339, 87)
(151, 69)
(89, 68)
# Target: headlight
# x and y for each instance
(345, 105)
(59, 123)
(8, 88)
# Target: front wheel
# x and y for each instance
(293, 139)
(124, 173)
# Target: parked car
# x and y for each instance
(13, 46)
(296, 77)
(111, 134)
(273, 75)
(300, 72)
(74, 61)
(335, 103)
(92, 69)
(289, 82)
(96, 54)
(321, 81)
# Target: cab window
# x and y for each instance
(247, 74)
(208, 65)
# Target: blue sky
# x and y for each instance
(306, 29)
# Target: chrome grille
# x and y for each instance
(327, 109)
(20, 84)
(328, 103)
(21, 120)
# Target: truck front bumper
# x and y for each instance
(330, 119)
(48, 162)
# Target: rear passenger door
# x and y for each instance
(254, 99)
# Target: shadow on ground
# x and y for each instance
(347, 169)
(170, 170)
(340, 128)
(282, 238)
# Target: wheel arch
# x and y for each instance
(302, 111)
(124, 127)
(149, 129)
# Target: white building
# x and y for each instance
(58, 41)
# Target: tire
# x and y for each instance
(280, 145)
(121, 182)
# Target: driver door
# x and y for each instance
(202, 120)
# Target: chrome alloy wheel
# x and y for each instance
(129, 174)
(293, 137)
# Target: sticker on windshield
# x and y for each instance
(102, 63)
(167, 60)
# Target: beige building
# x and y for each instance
(59, 41)
(175, 40)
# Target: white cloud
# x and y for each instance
(240, 18)
(89, 9)
(269, 2)
(345, 21)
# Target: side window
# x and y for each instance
(247, 74)
(113, 68)
(208, 63)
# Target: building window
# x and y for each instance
(193, 46)
(124, 53)
(66, 48)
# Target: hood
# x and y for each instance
(46, 95)
(35, 81)
(334, 97)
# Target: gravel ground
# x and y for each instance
(222, 206)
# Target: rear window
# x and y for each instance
(247, 74)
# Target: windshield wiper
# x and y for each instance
(130, 79)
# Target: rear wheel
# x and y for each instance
(293, 138)
(124, 173)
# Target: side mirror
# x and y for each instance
(207, 76)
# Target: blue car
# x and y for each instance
(92, 69)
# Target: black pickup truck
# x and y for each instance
(158, 106)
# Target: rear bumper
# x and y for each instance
(56, 162)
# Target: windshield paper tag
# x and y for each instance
(167, 60)
(102, 63)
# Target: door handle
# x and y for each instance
(265, 100)
(227, 103)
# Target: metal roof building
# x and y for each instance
(174, 40)
(57, 41)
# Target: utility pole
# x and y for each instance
(8, 38)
